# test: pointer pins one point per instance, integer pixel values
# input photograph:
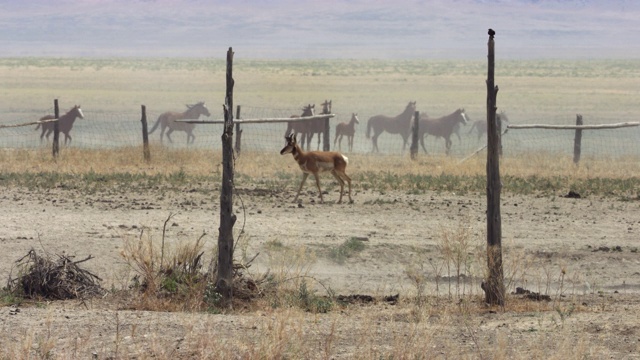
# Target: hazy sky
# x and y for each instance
(321, 29)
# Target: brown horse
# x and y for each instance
(300, 127)
(400, 124)
(168, 119)
(481, 125)
(317, 126)
(348, 130)
(65, 123)
(441, 127)
(456, 129)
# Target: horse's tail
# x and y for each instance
(46, 117)
(369, 125)
(155, 126)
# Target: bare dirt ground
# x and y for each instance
(582, 252)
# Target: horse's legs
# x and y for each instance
(190, 137)
(169, 135)
(422, 144)
(350, 141)
(374, 139)
(67, 137)
(303, 139)
(319, 138)
(309, 138)
(162, 129)
(448, 144)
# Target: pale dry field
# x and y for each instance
(552, 246)
(417, 233)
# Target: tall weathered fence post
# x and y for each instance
(326, 139)
(577, 141)
(499, 127)
(145, 135)
(56, 129)
(238, 133)
(414, 135)
(494, 284)
(224, 280)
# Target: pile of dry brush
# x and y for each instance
(41, 277)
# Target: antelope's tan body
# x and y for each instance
(315, 162)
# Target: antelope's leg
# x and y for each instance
(348, 180)
(318, 185)
(340, 181)
(304, 178)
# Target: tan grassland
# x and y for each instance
(416, 228)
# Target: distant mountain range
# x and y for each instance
(321, 29)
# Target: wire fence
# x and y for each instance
(113, 130)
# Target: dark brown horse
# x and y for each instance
(400, 124)
(317, 126)
(481, 125)
(65, 123)
(348, 130)
(168, 119)
(441, 127)
(300, 127)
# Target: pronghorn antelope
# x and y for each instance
(314, 162)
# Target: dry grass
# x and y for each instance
(446, 330)
(269, 165)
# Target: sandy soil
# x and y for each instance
(594, 241)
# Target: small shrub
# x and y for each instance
(309, 301)
(346, 250)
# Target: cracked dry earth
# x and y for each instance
(592, 241)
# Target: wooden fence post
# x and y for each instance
(224, 280)
(577, 141)
(414, 135)
(494, 284)
(326, 139)
(499, 127)
(238, 147)
(56, 129)
(145, 136)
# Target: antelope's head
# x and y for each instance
(290, 144)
